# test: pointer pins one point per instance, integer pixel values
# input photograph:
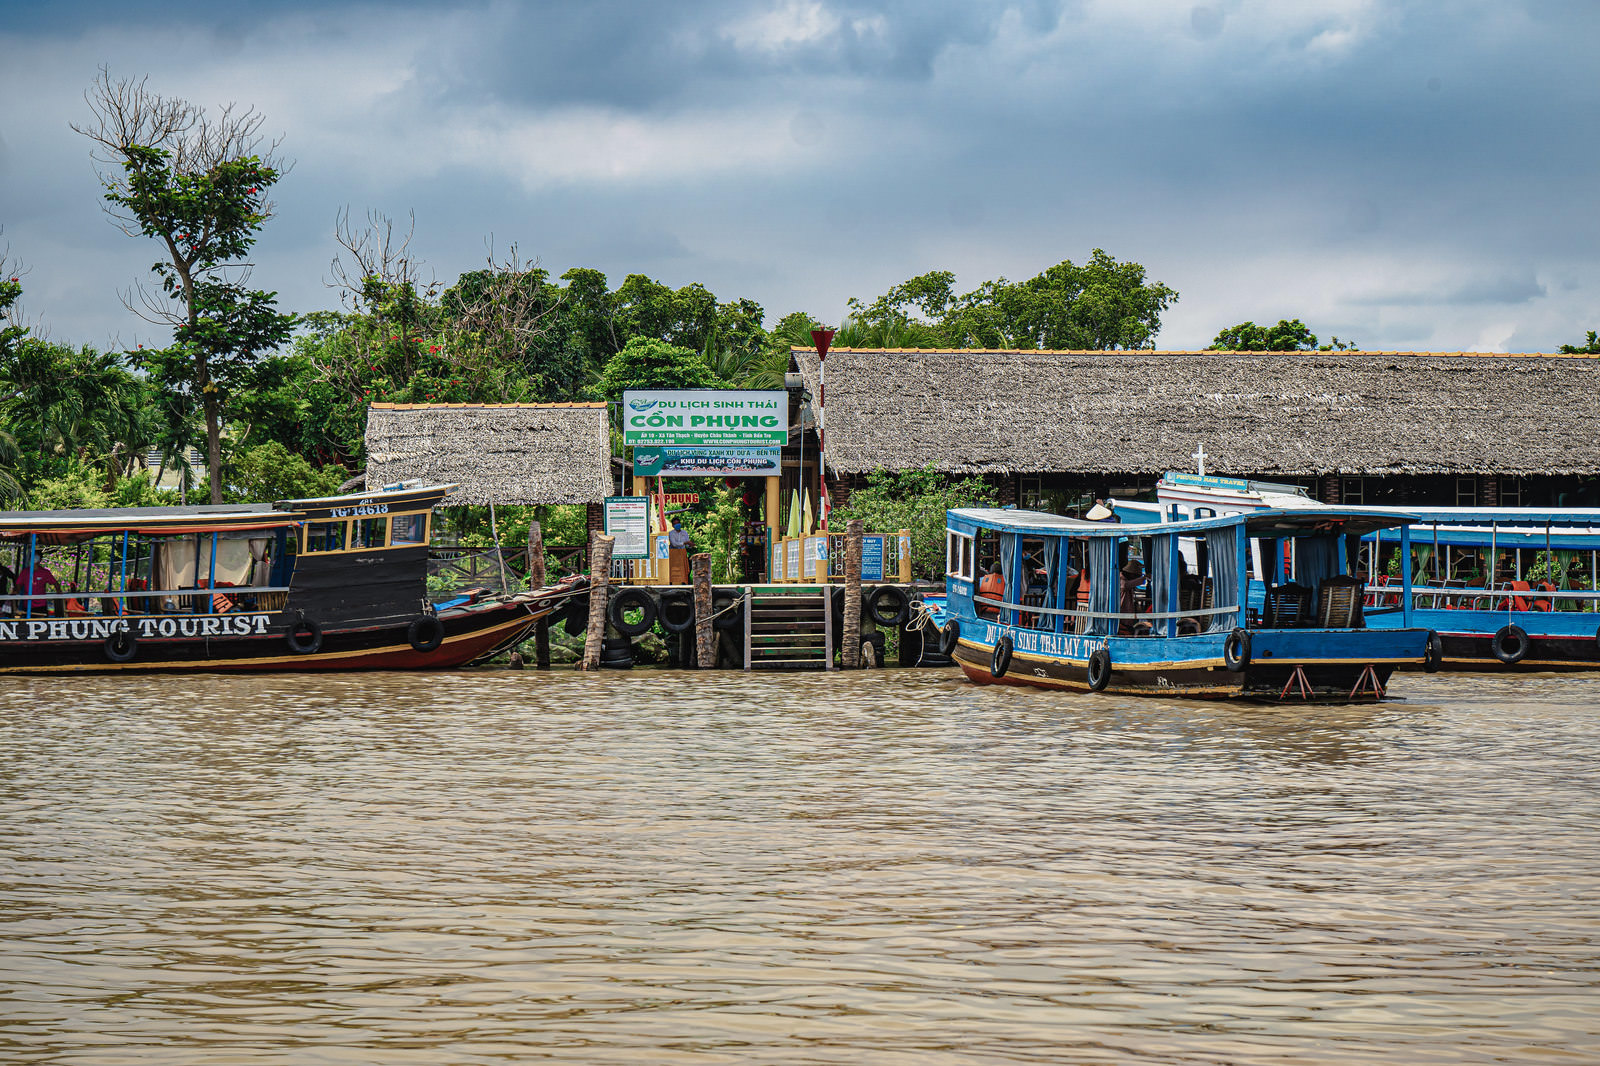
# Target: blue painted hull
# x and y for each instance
(1557, 640)
(1285, 664)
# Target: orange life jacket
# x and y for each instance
(992, 586)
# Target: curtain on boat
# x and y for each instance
(1316, 560)
(182, 563)
(1052, 569)
(1222, 545)
(1103, 584)
(1159, 567)
(1008, 569)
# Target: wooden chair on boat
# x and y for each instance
(1287, 606)
(1339, 603)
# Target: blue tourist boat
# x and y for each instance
(1163, 608)
(1505, 588)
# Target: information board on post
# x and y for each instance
(627, 518)
(872, 557)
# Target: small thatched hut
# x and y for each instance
(496, 453)
(1367, 427)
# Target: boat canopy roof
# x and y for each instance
(79, 524)
(74, 525)
(1503, 517)
(1270, 522)
(408, 495)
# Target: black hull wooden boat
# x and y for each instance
(337, 583)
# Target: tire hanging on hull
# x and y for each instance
(1099, 670)
(425, 633)
(1510, 645)
(1000, 661)
(308, 644)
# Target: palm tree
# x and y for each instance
(56, 402)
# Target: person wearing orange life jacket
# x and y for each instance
(993, 586)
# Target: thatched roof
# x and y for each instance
(1288, 413)
(501, 453)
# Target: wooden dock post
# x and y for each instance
(599, 593)
(537, 580)
(850, 649)
(705, 633)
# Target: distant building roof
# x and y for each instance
(500, 453)
(1289, 413)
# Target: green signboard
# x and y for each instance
(704, 419)
(707, 462)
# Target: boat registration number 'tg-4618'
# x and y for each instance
(231, 625)
(366, 507)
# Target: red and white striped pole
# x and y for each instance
(822, 338)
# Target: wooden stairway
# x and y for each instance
(788, 627)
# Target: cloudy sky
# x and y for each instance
(1410, 175)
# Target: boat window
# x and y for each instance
(958, 555)
(325, 536)
(408, 529)
(1038, 564)
(370, 533)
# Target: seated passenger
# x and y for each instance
(1127, 603)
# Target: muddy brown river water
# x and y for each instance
(883, 867)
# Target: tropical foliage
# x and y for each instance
(916, 500)
(1289, 335)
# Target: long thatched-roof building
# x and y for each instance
(496, 453)
(1358, 426)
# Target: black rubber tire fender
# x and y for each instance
(1434, 657)
(949, 637)
(677, 601)
(575, 616)
(630, 599)
(1000, 661)
(890, 606)
(1510, 644)
(425, 633)
(1099, 670)
(308, 644)
(1236, 650)
(121, 646)
(732, 621)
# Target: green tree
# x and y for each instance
(1590, 345)
(1101, 305)
(1289, 335)
(270, 472)
(916, 500)
(648, 363)
(11, 334)
(198, 185)
(61, 404)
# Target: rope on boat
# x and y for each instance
(921, 617)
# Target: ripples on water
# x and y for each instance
(894, 867)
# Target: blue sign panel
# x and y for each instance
(872, 558)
